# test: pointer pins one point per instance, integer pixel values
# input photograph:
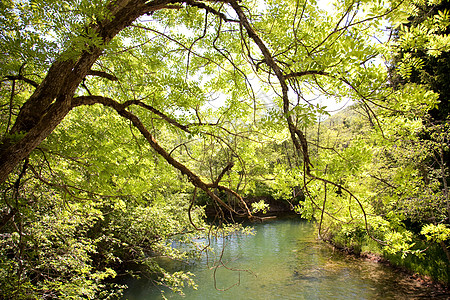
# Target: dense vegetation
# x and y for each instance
(121, 119)
(399, 153)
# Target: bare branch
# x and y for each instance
(224, 171)
(190, 209)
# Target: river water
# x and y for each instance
(284, 260)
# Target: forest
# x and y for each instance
(125, 123)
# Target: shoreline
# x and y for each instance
(423, 280)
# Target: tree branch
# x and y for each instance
(120, 108)
(22, 78)
(225, 170)
(90, 100)
(102, 74)
(210, 10)
(304, 73)
(295, 133)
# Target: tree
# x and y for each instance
(153, 67)
(92, 37)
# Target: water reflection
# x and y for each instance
(283, 260)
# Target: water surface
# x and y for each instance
(284, 260)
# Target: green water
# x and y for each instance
(283, 260)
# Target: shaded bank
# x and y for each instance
(275, 207)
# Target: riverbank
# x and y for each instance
(440, 288)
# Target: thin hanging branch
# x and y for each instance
(297, 135)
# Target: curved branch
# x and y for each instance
(51, 101)
(366, 223)
(195, 41)
(236, 195)
(120, 108)
(226, 169)
(90, 100)
(297, 135)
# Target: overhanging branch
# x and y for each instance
(120, 108)
(296, 134)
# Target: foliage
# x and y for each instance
(111, 110)
(260, 206)
(381, 173)
(88, 243)
(438, 233)
(394, 197)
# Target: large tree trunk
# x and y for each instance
(51, 101)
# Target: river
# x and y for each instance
(284, 260)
